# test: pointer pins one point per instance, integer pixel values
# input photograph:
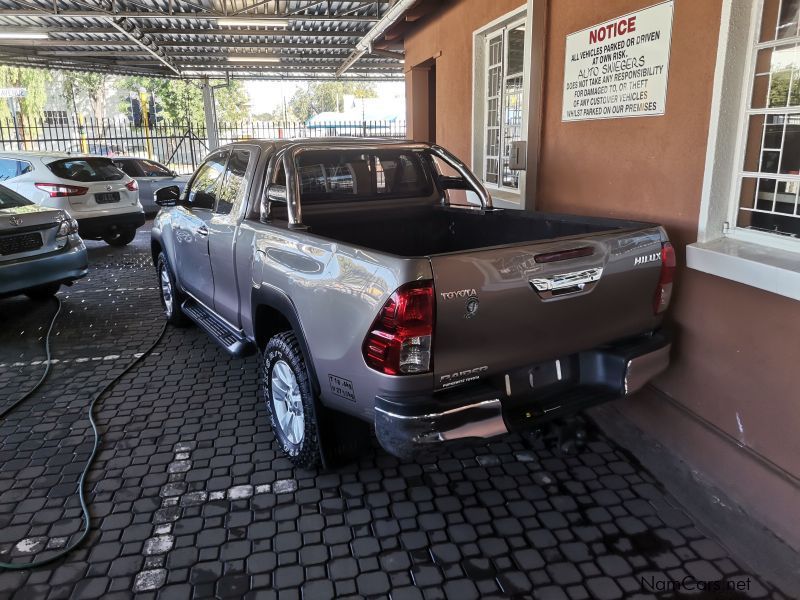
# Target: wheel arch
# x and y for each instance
(274, 312)
(155, 249)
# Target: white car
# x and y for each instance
(103, 199)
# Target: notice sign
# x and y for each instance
(619, 68)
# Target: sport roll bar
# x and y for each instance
(290, 154)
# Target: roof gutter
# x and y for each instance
(364, 45)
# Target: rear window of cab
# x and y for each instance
(86, 169)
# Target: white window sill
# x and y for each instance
(773, 270)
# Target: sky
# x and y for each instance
(266, 96)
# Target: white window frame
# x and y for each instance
(766, 261)
(501, 195)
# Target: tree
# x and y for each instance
(779, 90)
(96, 87)
(31, 106)
(34, 81)
(327, 96)
(181, 99)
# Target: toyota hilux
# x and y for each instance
(376, 279)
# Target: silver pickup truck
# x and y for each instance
(376, 280)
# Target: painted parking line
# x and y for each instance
(84, 359)
(174, 498)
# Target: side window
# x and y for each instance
(153, 169)
(205, 185)
(128, 167)
(10, 168)
(234, 185)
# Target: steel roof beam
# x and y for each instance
(227, 32)
(172, 44)
(266, 66)
(145, 43)
(364, 45)
(184, 55)
(194, 16)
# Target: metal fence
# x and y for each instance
(181, 146)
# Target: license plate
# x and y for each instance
(106, 197)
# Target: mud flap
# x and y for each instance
(343, 439)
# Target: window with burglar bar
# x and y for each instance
(499, 101)
(769, 180)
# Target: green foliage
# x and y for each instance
(94, 85)
(180, 99)
(34, 81)
(779, 89)
(326, 96)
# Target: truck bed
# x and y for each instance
(425, 230)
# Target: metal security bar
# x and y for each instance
(179, 145)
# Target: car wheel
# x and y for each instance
(286, 389)
(43, 292)
(122, 236)
(171, 298)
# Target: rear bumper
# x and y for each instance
(97, 227)
(485, 410)
(65, 265)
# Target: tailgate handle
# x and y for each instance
(550, 286)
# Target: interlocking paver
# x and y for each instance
(190, 497)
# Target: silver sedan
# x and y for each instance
(151, 176)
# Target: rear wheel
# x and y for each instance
(171, 298)
(286, 389)
(43, 292)
(121, 236)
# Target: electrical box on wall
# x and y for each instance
(518, 156)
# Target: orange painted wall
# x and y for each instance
(737, 348)
(447, 35)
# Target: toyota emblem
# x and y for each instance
(16, 221)
(109, 188)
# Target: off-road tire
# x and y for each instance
(284, 346)
(120, 237)
(43, 292)
(175, 316)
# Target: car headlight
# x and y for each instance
(67, 227)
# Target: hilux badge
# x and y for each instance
(647, 258)
(16, 221)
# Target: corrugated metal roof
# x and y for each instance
(256, 39)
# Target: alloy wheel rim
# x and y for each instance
(287, 402)
(166, 290)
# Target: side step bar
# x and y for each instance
(221, 332)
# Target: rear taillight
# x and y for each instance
(132, 185)
(400, 339)
(59, 190)
(664, 289)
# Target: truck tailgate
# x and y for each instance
(502, 308)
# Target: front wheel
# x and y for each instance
(121, 236)
(170, 296)
(286, 390)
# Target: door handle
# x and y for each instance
(202, 231)
(566, 283)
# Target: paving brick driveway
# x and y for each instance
(190, 497)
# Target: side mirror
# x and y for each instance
(274, 193)
(168, 196)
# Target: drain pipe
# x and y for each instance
(364, 45)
